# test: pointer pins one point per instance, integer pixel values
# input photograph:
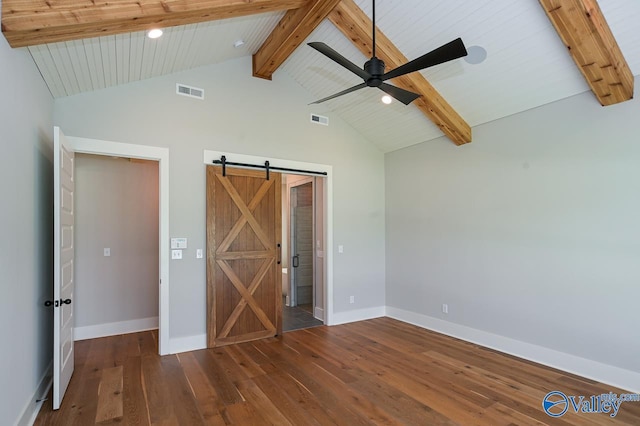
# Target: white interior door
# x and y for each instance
(63, 282)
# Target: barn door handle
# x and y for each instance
(296, 261)
(279, 253)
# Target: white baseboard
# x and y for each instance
(318, 313)
(604, 373)
(32, 408)
(357, 315)
(188, 343)
(114, 328)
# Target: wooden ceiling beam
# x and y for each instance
(294, 27)
(584, 30)
(31, 22)
(356, 26)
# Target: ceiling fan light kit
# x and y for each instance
(373, 71)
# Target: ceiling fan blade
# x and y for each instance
(336, 57)
(344, 92)
(404, 96)
(445, 53)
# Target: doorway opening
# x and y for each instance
(161, 156)
(293, 166)
(116, 246)
(303, 254)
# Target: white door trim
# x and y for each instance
(161, 155)
(209, 156)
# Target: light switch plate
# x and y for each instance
(340, 248)
(178, 243)
(199, 254)
(107, 252)
(176, 254)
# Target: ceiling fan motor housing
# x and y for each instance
(375, 67)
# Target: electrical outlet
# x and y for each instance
(176, 254)
(445, 308)
(352, 299)
(107, 252)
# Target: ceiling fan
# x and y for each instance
(373, 72)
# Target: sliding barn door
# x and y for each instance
(244, 275)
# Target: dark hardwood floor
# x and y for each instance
(379, 371)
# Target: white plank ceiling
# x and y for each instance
(527, 64)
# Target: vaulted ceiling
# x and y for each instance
(81, 45)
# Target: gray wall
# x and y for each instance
(530, 232)
(250, 116)
(26, 219)
(116, 204)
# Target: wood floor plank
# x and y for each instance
(294, 400)
(380, 371)
(254, 396)
(147, 343)
(83, 409)
(257, 357)
(244, 361)
(184, 405)
(223, 385)
(156, 391)
(242, 414)
(134, 404)
(327, 360)
(126, 346)
(210, 404)
(110, 404)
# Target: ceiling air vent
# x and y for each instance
(192, 92)
(318, 119)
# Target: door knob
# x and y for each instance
(56, 303)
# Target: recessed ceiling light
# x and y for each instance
(475, 55)
(386, 99)
(154, 33)
(238, 43)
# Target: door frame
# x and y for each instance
(210, 156)
(161, 155)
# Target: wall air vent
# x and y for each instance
(318, 119)
(192, 92)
